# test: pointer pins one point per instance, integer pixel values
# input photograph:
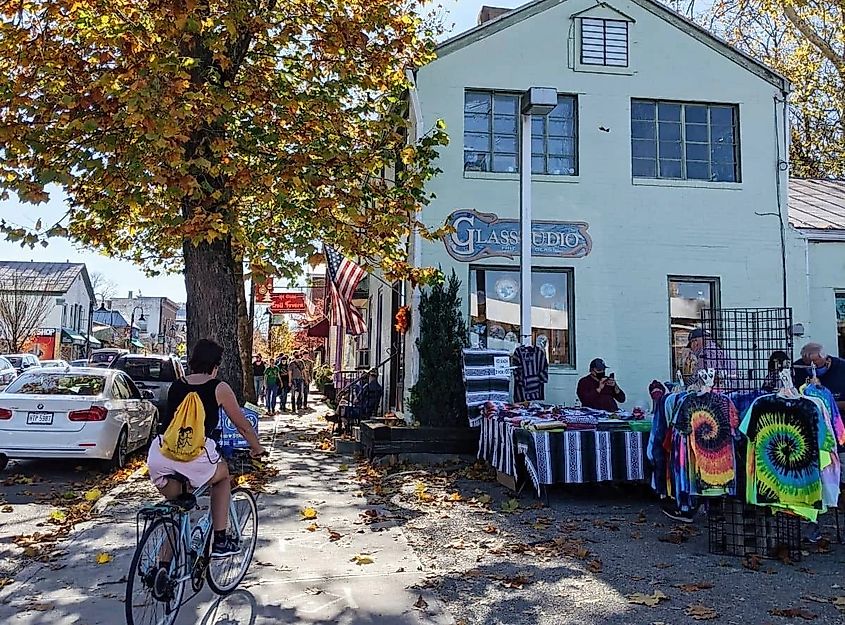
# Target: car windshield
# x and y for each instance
(58, 384)
(15, 360)
(104, 357)
(146, 369)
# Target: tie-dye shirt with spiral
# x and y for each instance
(710, 421)
(783, 462)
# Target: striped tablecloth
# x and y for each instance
(585, 456)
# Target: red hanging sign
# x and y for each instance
(264, 292)
(287, 303)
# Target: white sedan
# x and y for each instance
(78, 413)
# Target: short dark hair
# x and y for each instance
(205, 356)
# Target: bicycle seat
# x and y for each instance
(185, 502)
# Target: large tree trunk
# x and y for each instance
(212, 287)
(245, 337)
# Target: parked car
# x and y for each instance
(61, 364)
(22, 362)
(104, 357)
(7, 373)
(74, 413)
(79, 363)
(154, 373)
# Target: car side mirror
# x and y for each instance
(147, 394)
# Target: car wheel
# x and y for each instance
(4, 461)
(118, 459)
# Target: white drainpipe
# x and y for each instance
(413, 363)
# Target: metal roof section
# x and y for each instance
(696, 31)
(40, 277)
(817, 204)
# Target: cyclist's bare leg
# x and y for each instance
(171, 490)
(221, 493)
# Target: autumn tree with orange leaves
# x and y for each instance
(199, 135)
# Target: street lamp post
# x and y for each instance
(132, 324)
(536, 101)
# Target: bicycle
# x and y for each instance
(168, 529)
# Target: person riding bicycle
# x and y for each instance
(206, 467)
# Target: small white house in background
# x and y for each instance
(817, 260)
(158, 331)
(65, 293)
(648, 180)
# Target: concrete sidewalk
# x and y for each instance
(297, 575)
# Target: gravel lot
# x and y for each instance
(584, 558)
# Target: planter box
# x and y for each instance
(378, 439)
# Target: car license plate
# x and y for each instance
(39, 418)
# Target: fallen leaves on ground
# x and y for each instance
(595, 566)
(58, 516)
(454, 497)
(839, 603)
(7, 509)
(308, 514)
(103, 558)
(5, 581)
(420, 603)
(362, 558)
(343, 468)
(93, 495)
(517, 582)
(694, 586)
(794, 613)
(484, 499)
(334, 536)
(679, 534)
(651, 600)
(510, 506)
(701, 612)
(490, 529)
(313, 527)
(604, 524)
(752, 562)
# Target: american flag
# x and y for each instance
(344, 276)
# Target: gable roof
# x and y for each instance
(696, 31)
(112, 318)
(42, 277)
(817, 204)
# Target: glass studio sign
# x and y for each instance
(483, 235)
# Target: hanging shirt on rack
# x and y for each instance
(783, 463)
(709, 421)
(531, 373)
(484, 381)
(826, 397)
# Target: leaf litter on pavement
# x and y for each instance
(651, 600)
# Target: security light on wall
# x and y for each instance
(539, 101)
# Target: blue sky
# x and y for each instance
(127, 277)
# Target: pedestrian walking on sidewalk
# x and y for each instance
(284, 380)
(272, 384)
(297, 380)
(308, 374)
(258, 369)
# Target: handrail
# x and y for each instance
(391, 351)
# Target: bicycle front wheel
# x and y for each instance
(154, 592)
(225, 574)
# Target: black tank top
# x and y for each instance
(208, 395)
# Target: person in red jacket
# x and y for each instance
(598, 390)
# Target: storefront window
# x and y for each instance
(840, 323)
(494, 311)
(687, 298)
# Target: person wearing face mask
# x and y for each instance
(598, 390)
(829, 369)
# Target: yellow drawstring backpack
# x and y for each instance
(184, 438)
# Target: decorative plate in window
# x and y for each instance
(507, 289)
(497, 332)
(548, 290)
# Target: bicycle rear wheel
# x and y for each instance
(225, 574)
(153, 597)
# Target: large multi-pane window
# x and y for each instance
(491, 135)
(494, 311)
(684, 141)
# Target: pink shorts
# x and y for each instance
(198, 471)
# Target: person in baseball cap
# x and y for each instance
(598, 390)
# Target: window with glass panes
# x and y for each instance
(685, 141)
(491, 135)
(554, 140)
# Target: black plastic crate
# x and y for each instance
(735, 528)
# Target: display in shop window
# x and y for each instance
(478, 235)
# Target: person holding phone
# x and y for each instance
(598, 390)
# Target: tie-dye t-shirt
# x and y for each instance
(783, 452)
(709, 420)
(812, 390)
